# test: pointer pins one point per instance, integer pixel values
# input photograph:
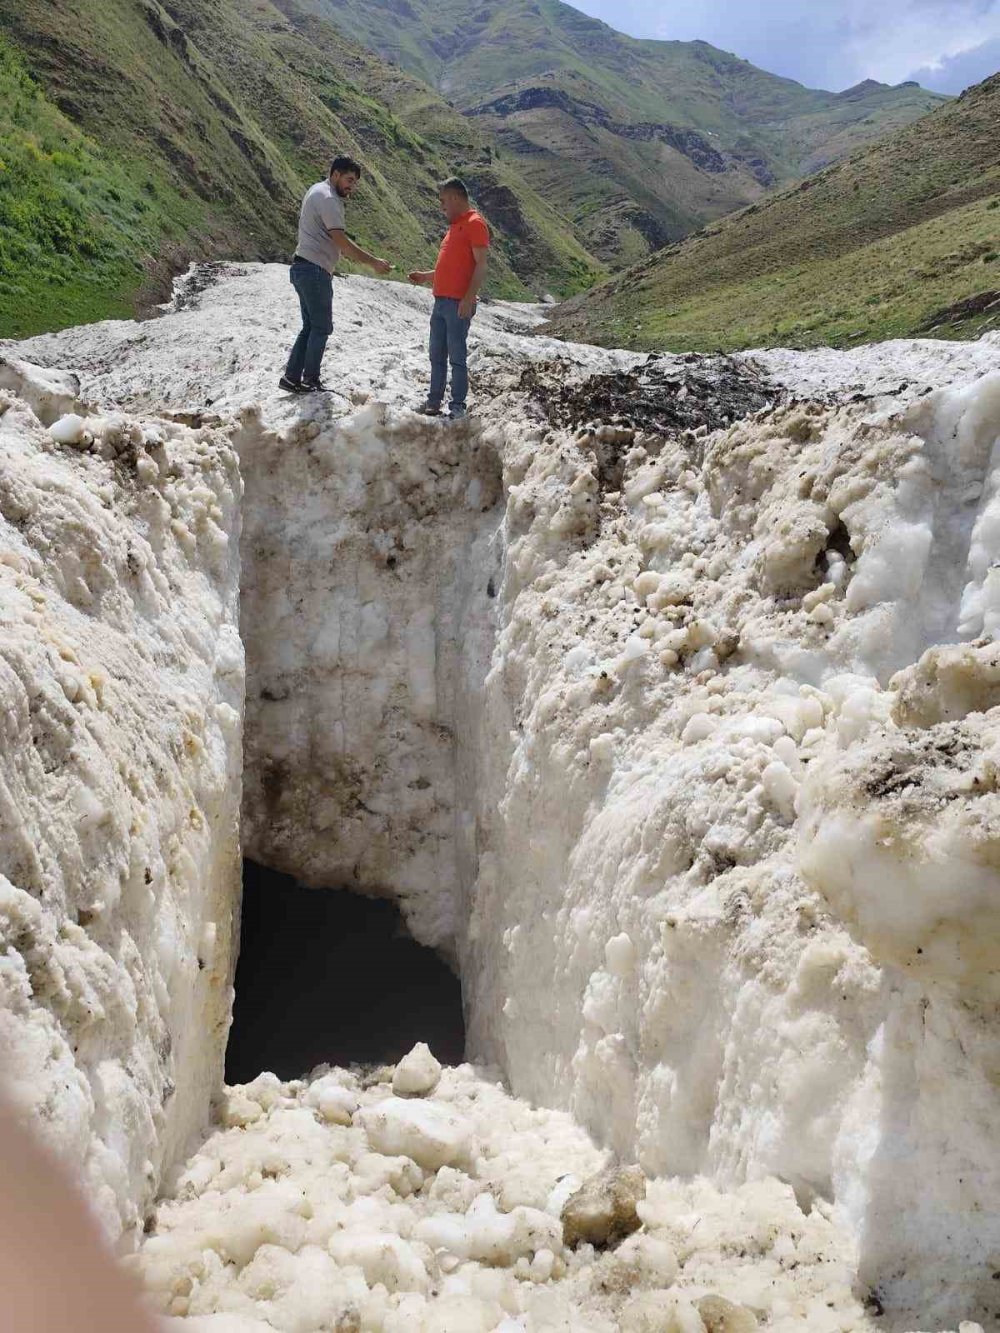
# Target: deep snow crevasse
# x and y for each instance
(673, 657)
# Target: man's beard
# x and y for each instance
(344, 194)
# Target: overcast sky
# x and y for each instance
(946, 44)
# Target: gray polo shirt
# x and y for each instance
(322, 208)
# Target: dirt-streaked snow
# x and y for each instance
(121, 693)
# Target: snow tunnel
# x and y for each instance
(326, 976)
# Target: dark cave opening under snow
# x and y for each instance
(330, 977)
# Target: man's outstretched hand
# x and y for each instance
(382, 267)
(420, 279)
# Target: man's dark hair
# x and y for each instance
(456, 185)
(345, 164)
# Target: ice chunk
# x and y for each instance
(722, 1316)
(432, 1135)
(619, 954)
(335, 1103)
(604, 1208)
(69, 429)
(417, 1074)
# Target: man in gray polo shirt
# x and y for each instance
(322, 240)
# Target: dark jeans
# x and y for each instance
(315, 288)
(449, 342)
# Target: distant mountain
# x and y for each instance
(902, 239)
(638, 142)
(136, 135)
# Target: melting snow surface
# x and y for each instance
(685, 747)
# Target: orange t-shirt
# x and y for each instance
(456, 262)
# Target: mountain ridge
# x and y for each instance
(567, 97)
(901, 239)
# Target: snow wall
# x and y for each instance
(121, 696)
(683, 747)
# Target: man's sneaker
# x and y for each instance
(315, 386)
(429, 409)
(458, 413)
(290, 386)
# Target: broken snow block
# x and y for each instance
(49, 393)
(722, 1316)
(603, 1211)
(70, 429)
(432, 1136)
(417, 1074)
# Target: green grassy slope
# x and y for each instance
(76, 226)
(901, 239)
(590, 116)
(152, 133)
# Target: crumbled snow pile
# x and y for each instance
(121, 684)
(444, 1215)
(682, 741)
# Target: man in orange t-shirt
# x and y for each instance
(456, 279)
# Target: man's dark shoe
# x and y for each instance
(315, 386)
(429, 409)
(290, 386)
(458, 413)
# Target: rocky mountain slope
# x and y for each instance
(662, 696)
(639, 142)
(901, 239)
(135, 134)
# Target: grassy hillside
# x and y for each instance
(76, 226)
(901, 239)
(638, 141)
(136, 135)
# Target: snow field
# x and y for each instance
(682, 748)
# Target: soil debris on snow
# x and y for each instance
(663, 397)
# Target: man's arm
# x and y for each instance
(467, 305)
(420, 278)
(347, 247)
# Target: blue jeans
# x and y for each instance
(315, 290)
(449, 343)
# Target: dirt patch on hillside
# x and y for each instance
(983, 303)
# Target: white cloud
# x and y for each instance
(953, 73)
(827, 43)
